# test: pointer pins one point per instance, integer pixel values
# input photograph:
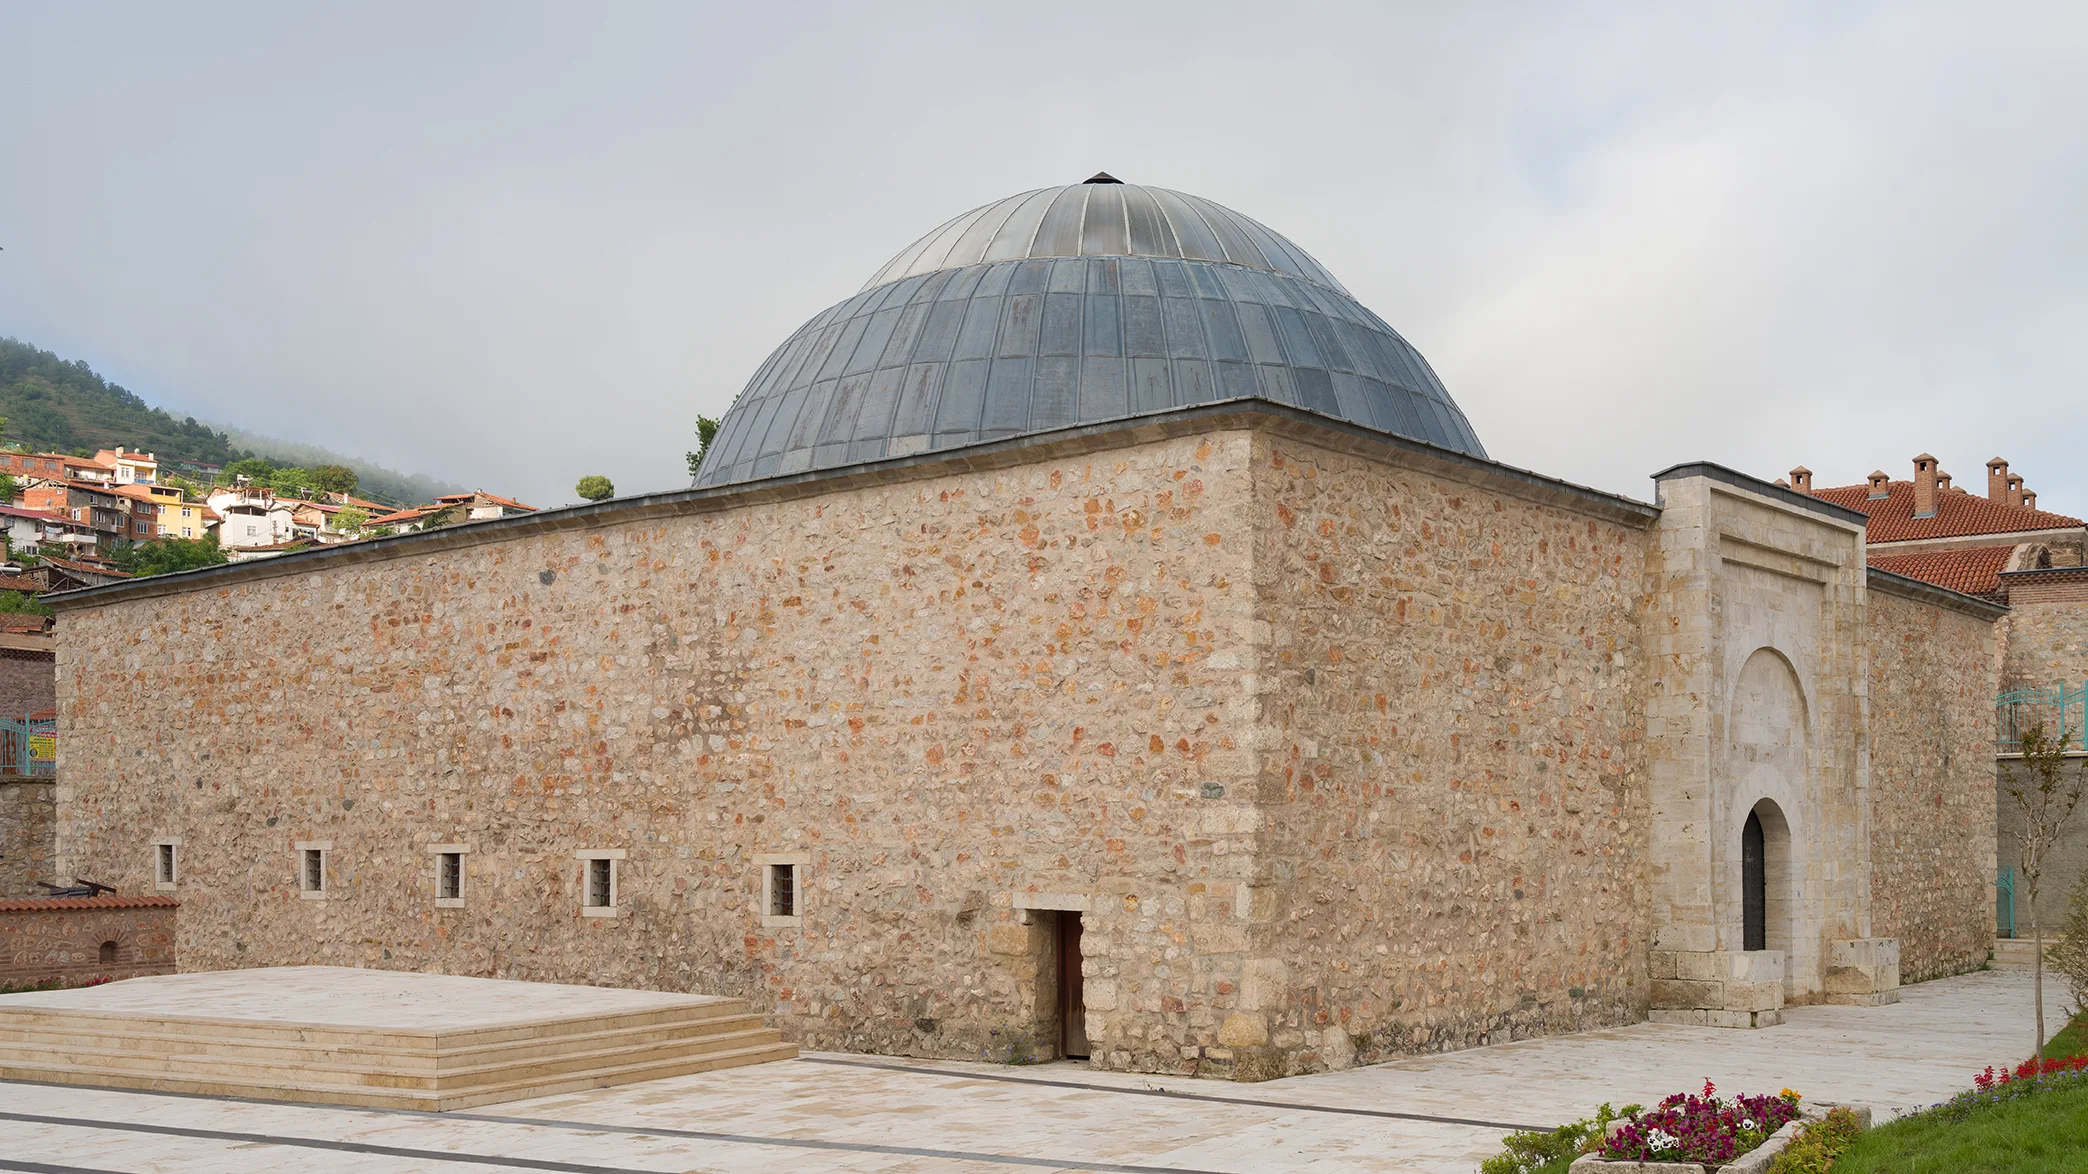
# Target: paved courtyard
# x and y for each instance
(858, 1113)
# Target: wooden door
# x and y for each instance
(1073, 1040)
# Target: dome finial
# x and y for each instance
(1102, 177)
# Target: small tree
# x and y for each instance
(350, 520)
(334, 479)
(706, 431)
(2038, 785)
(595, 488)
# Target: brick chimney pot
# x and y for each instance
(1997, 481)
(1879, 484)
(2015, 489)
(1801, 479)
(1924, 486)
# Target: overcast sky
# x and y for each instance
(508, 246)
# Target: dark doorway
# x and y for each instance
(1072, 1008)
(1754, 886)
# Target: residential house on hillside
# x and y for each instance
(251, 517)
(106, 512)
(34, 531)
(480, 506)
(127, 467)
(62, 574)
(33, 464)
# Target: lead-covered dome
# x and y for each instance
(1069, 306)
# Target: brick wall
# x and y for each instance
(79, 938)
(28, 682)
(1932, 686)
(28, 829)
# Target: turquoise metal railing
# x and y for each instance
(2059, 709)
(2004, 903)
(28, 746)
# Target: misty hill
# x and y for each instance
(373, 481)
(53, 405)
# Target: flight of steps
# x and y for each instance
(381, 1067)
(2019, 953)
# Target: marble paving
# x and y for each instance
(863, 1113)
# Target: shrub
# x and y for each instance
(1684, 1128)
(1817, 1145)
(1528, 1152)
(2069, 954)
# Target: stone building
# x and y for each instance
(1101, 636)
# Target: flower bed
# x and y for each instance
(2026, 1079)
(1702, 1129)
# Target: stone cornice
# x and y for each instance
(1929, 593)
(1254, 414)
(1739, 480)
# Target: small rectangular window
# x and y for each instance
(781, 878)
(449, 876)
(600, 875)
(165, 868)
(311, 870)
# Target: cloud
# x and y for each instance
(508, 246)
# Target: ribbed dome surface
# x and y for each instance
(1102, 219)
(953, 345)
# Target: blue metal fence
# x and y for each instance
(28, 746)
(2004, 904)
(2058, 709)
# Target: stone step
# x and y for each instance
(2019, 953)
(315, 1092)
(376, 1069)
(52, 1032)
(326, 1035)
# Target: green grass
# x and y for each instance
(2042, 1134)
(2072, 1039)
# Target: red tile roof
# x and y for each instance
(88, 568)
(19, 583)
(24, 622)
(42, 904)
(1892, 517)
(1976, 571)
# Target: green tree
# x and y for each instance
(164, 556)
(351, 520)
(595, 488)
(259, 468)
(290, 481)
(8, 488)
(334, 479)
(706, 431)
(16, 603)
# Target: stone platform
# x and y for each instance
(376, 1038)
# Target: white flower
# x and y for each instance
(1747, 1123)
(1659, 1139)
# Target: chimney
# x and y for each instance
(1801, 479)
(2029, 499)
(1942, 481)
(1878, 484)
(1997, 481)
(2015, 489)
(1924, 486)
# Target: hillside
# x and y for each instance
(55, 406)
(52, 405)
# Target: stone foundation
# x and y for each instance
(1863, 972)
(1718, 988)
